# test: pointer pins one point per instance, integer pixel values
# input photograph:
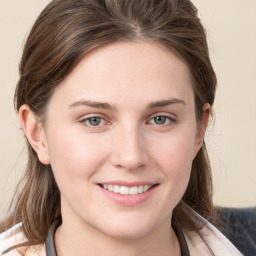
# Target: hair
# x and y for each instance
(62, 35)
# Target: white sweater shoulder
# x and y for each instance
(210, 242)
(15, 236)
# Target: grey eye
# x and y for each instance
(160, 120)
(94, 121)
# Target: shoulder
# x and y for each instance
(15, 236)
(10, 238)
(210, 241)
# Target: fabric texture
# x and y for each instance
(15, 236)
(209, 242)
(239, 226)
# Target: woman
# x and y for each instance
(114, 98)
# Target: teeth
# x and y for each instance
(134, 191)
(123, 190)
(141, 189)
(146, 187)
(116, 189)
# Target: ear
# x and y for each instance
(202, 128)
(35, 133)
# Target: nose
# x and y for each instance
(129, 151)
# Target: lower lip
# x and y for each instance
(128, 200)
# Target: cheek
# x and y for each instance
(74, 159)
(176, 152)
(175, 158)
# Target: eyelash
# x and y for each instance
(86, 121)
(166, 118)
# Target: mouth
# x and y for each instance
(128, 194)
(125, 190)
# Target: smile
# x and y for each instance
(124, 190)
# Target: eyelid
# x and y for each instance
(88, 116)
(171, 116)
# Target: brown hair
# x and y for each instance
(63, 34)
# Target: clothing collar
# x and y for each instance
(51, 250)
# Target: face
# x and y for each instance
(121, 135)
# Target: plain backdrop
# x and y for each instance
(231, 138)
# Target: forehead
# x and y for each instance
(128, 71)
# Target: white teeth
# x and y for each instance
(116, 189)
(133, 191)
(141, 189)
(124, 190)
(145, 188)
(127, 190)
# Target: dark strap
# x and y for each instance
(49, 243)
(51, 250)
(182, 240)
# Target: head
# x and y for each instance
(64, 34)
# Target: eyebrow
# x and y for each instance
(93, 104)
(106, 106)
(163, 103)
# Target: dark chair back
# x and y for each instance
(239, 226)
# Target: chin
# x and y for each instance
(129, 234)
(128, 229)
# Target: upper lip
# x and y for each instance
(128, 184)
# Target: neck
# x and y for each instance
(74, 239)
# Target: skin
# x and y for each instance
(126, 145)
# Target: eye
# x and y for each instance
(93, 121)
(161, 120)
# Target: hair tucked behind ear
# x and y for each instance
(62, 35)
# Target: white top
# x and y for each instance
(210, 242)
